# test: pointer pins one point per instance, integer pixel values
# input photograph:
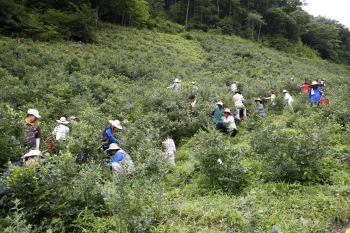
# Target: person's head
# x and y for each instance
(285, 91)
(193, 83)
(33, 115)
(72, 119)
(315, 84)
(227, 112)
(192, 97)
(29, 158)
(113, 148)
(177, 80)
(115, 124)
(292, 79)
(324, 80)
(63, 121)
(228, 84)
(220, 104)
(238, 92)
(272, 92)
(258, 101)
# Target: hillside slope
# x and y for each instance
(279, 173)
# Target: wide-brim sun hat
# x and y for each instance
(315, 83)
(34, 112)
(72, 118)
(177, 80)
(32, 153)
(220, 103)
(113, 146)
(62, 120)
(193, 82)
(227, 111)
(258, 99)
(285, 91)
(116, 124)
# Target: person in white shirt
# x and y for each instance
(176, 84)
(229, 123)
(61, 131)
(238, 99)
(233, 86)
(288, 97)
(194, 86)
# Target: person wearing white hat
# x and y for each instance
(194, 86)
(61, 132)
(216, 113)
(238, 99)
(121, 160)
(288, 98)
(260, 107)
(229, 123)
(33, 132)
(315, 93)
(176, 84)
(29, 158)
(109, 133)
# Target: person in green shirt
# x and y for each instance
(217, 113)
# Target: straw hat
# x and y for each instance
(315, 83)
(193, 82)
(228, 111)
(34, 112)
(32, 153)
(220, 103)
(258, 99)
(113, 146)
(62, 120)
(116, 123)
(177, 80)
(285, 91)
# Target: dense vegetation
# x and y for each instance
(281, 24)
(278, 175)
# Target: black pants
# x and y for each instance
(223, 129)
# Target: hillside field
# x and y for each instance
(286, 172)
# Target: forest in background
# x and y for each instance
(280, 24)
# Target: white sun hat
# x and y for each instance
(220, 103)
(285, 91)
(228, 111)
(34, 112)
(177, 80)
(113, 146)
(63, 120)
(116, 123)
(32, 153)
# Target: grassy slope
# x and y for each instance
(150, 60)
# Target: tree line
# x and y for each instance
(281, 24)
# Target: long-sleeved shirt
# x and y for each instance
(260, 107)
(111, 136)
(61, 132)
(289, 99)
(230, 121)
(238, 99)
(217, 114)
(119, 156)
(33, 135)
(315, 95)
(174, 86)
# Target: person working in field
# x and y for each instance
(194, 86)
(193, 100)
(271, 99)
(233, 85)
(170, 150)
(315, 93)
(260, 107)
(216, 113)
(61, 132)
(288, 98)
(305, 87)
(176, 84)
(229, 123)
(32, 131)
(109, 133)
(238, 99)
(121, 161)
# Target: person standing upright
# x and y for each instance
(238, 99)
(61, 131)
(217, 115)
(32, 131)
(315, 93)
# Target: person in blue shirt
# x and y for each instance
(109, 134)
(121, 160)
(217, 114)
(260, 107)
(315, 93)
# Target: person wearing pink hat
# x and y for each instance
(32, 131)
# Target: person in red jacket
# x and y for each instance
(305, 87)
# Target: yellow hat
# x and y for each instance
(347, 231)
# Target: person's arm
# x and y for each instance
(37, 138)
(37, 142)
(309, 96)
(118, 156)
(172, 86)
(111, 136)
